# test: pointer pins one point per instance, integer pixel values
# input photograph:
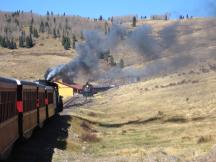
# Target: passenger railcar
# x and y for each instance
(50, 98)
(24, 106)
(27, 94)
(9, 131)
(41, 106)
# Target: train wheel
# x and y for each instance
(28, 134)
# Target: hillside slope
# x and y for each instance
(172, 115)
(31, 64)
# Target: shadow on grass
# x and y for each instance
(40, 147)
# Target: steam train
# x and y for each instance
(24, 106)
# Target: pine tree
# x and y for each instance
(4, 42)
(42, 27)
(63, 40)
(134, 21)
(11, 44)
(1, 38)
(74, 42)
(22, 39)
(106, 28)
(66, 42)
(35, 33)
(31, 29)
(121, 63)
(21, 42)
(100, 18)
(54, 20)
(29, 41)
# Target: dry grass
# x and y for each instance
(146, 121)
(178, 119)
(32, 63)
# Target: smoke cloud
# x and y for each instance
(96, 43)
(141, 40)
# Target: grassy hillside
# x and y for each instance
(166, 116)
(32, 63)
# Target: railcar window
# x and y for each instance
(50, 97)
(29, 100)
(42, 99)
(7, 105)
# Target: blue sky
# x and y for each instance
(94, 8)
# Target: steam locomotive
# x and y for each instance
(24, 106)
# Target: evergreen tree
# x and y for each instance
(7, 45)
(74, 42)
(46, 24)
(48, 13)
(66, 42)
(21, 42)
(35, 33)
(1, 38)
(134, 21)
(29, 41)
(14, 45)
(121, 63)
(42, 27)
(4, 42)
(31, 29)
(54, 33)
(63, 40)
(54, 20)
(100, 18)
(106, 27)
(11, 44)
(22, 39)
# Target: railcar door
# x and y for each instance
(41, 105)
(29, 94)
(50, 98)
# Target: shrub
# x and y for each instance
(90, 137)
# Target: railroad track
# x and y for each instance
(76, 101)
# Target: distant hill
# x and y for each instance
(176, 43)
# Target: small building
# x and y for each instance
(68, 90)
